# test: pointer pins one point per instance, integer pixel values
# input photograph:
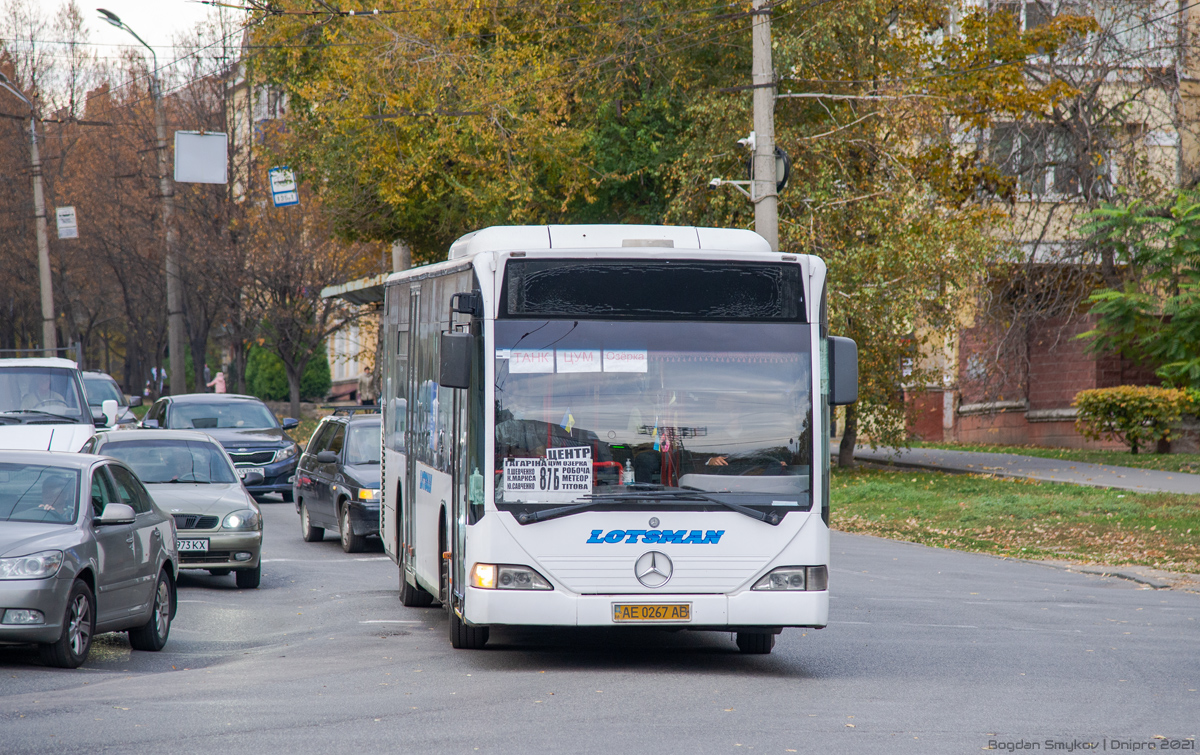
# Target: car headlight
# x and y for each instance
(33, 566)
(507, 577)
(368, 494)
(287, 453)
(246, 519)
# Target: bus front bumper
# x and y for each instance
(742, 610)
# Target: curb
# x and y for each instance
(1154, 579)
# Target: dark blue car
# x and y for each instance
(247, 429)
(337, 483)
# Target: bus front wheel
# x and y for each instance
(755, 643)
(466, 637)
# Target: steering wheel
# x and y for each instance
(52, 403)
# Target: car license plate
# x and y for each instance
(652, 612)
(243, 471)
(199, 545)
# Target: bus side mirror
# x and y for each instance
(455, 365)
(843, 371)
(467, 303)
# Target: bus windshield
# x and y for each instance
(589, 408)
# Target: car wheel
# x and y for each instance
(153, 634)
(310, 533)
(287, 496)
(351, 543)
(755, 643)
(220, 572)
(79, 624)
(248, 579)
(466, 637)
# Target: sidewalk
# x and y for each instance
(1034, 468)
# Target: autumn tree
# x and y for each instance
(291, 256)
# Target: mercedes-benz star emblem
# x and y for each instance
(653, 569)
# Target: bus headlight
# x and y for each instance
(507, 577)
(810, 578)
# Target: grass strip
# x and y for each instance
(1021, 518)
(1189, 463)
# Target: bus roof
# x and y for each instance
(543, 237)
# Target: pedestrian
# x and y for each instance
(217, 383)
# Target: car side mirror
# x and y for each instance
(110, 409)
(455, 356)
(150, 424)
(289, 423)
(253, 478)
(135, 401)
(327, 457)
(843, 371)
(116, 513)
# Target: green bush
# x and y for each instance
(267, 379)
(1139, 415)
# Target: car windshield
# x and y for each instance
(100, 389)
(166, 460)
(41, 391)
(244, 415)
(586, 408)
(38, 493)
(363, 444)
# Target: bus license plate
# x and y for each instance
(194, 546)
(623, 612)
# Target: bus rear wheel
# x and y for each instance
(755, 643)
(464, 636)
(412, 596)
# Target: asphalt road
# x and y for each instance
(928, 651)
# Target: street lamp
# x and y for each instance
(49, 336)
(166, 190)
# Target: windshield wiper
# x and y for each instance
(38, 411)
(531, 517)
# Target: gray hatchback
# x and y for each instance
(83, 549)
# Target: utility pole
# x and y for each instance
(401, 256)
(763, 192)
(166, 191)
(49, 334)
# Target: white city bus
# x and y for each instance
(612, 425)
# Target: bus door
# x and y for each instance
(458, 517)
(408, 509)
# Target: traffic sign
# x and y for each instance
(283, 187)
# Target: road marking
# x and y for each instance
(390, 621)
(325, 560)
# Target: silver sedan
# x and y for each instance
(217, 521)
(83, 549)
